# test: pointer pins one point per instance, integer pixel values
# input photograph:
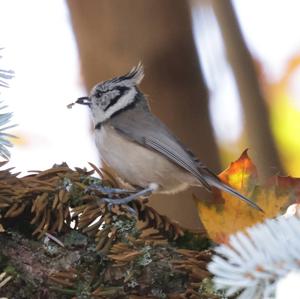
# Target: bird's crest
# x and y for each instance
(134, 77)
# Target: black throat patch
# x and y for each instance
(98, 126)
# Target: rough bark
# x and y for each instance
(260, 137)
(44, 270)
(114, 35)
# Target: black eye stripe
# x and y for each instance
(112, 102)
(122, 90)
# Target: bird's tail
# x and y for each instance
(216, 182)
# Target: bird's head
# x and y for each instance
(110, 97)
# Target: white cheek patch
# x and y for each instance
(123, 102)
(98, 115)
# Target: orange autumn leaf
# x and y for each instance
(226, 214)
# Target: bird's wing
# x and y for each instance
(149, 131)
(144, 128)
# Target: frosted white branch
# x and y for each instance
(252, 263)
(5, 118)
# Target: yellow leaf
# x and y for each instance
(227, 214)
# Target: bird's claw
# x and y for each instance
(126, 200)
(110, 203)
(106, 190)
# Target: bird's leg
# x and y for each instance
(124, 201)
(107, 190)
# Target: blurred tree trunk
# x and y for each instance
(114, 35)
(256, 115)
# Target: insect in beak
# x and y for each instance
(82, 101)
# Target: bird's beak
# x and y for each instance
(84, 101)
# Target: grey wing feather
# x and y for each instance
(142, 127)
(147, 130)
(182, 160)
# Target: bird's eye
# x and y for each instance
(98, 94)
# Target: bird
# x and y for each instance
(139, 147)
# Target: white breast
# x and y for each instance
(138, 165)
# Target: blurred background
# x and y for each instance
(223, 75)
